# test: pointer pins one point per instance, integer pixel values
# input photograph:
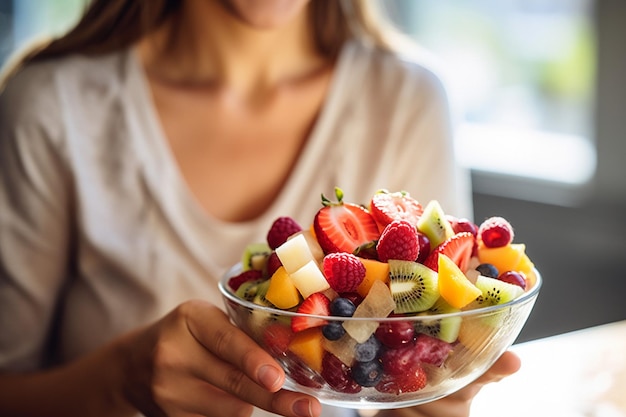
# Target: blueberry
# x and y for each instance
(368, 350)
(333, 330)
(367, 374)
(488, 270)
(342, 307)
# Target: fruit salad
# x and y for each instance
(391, 258)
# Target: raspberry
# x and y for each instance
(273, 263)
(249, 275)
(399, 241)
(432, 350)
(495, 232)
(343, 271)
(281, 230)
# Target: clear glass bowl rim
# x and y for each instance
(227, 292)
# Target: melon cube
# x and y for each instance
(505, 258)
(454, 286)
(282, 292)
(294, 253)
(374, 271)
(309, 279)
(307, 345)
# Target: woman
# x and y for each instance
(142, 151)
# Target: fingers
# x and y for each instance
(212, 329)
(234, 363)
(506, 365)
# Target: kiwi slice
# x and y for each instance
(248, 290)
(447, 328)
(496, 292)
(261, 290)
(413, 286)
(255, 256)
(434, 224)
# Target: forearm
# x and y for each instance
(90, 386)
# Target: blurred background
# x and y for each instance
(540, 91)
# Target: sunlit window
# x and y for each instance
(522, 75)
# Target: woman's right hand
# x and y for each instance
(195, 362)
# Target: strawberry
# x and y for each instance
(343, 271)
(249, 275)
(276, 338)
(316, 304)
(399, 240)
(281, 230)
(495, 232)
(458, 247)
(387, 207)
(343, 227)
(403, 382)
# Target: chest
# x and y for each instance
(235, 155)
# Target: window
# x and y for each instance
(522, 75)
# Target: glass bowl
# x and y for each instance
(483, 335)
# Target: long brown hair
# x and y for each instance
(110, 25)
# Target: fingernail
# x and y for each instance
(302, 408)
(269, 377)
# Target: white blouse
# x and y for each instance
(99, 232)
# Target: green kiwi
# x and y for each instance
(255, 256)
(447, 328)
(496, 292)
(248, 290)
(413, 286)
(259, 296)
(434, 224)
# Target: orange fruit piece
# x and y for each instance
(454, 286)
(308, 346)
(374, 271)
(281, 291)
(505, 258)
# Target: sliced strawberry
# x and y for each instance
(343, 227)
(387, 207)
(317, 304)
(459, 248)
(276, 338)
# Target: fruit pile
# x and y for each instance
(394, 258)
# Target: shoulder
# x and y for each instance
(409, 70)
(40, 92)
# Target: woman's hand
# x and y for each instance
(458, 404)
(195, 362)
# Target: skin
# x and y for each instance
(218, 68)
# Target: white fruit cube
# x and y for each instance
(309, 279)
(294, 253)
